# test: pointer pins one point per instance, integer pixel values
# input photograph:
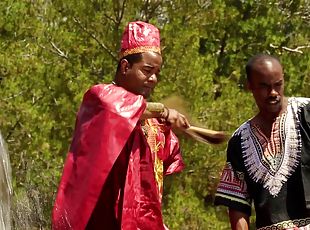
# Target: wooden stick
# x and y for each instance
(206, 135)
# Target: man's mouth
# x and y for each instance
(148, 88)
(273, 101)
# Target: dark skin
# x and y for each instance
(238, 220)
(267, 86)
(141, 78)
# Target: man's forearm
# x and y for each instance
(238, 220)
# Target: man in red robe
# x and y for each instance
(122, 146)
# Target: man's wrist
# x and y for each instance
(156, 110)
(155, 107)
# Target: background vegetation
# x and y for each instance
(52, 51)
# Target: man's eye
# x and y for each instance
(279, 84)
(263, 86)
(147, 71)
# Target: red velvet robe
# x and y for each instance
(112, 178)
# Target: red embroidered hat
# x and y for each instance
(139, 37)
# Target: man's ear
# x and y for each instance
(124, 66)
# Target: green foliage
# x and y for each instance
(52, 51)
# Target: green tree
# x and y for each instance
(52, 51)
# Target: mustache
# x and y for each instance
(273, 98)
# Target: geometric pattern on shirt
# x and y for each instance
(271, 162)
(272, 148)
(232, 186)
(300, 224)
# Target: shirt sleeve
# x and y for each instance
(174, 162)
(232, 190)
(305, 119)
(305, 156)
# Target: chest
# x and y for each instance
(271, 160)
(154, 138)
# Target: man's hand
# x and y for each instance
(176, 119)
(171, 116)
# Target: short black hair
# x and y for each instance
(259, 58)
(131, 58)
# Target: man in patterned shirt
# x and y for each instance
(268, 156)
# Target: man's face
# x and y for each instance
(142, 76)
(267, 86)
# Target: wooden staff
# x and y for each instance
(206, 135)
(195, 131)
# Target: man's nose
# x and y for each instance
(273, 92)
(153, 78)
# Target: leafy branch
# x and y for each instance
(58, 51)
(101, 44)
(298, 49)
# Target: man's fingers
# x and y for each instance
(185, 123)
(177, 119)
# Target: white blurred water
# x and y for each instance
(5, 187)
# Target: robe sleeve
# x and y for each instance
(174, 163)
(232, 189)
(105, 121)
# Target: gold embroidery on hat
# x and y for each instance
(140, 49)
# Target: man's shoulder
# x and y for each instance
(113, 98)
(110, 92)
(238, 135)
(301, 101)
(97, 93)
(241, 128)
(100, 88)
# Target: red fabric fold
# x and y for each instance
(108, 180)
(102, 130)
